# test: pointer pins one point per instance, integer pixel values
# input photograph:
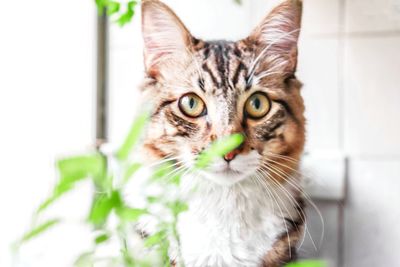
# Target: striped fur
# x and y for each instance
(225, 74)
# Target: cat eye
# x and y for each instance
(192, 105)
(257, 105)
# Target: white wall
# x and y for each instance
(47, 74)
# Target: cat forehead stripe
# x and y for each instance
(223, 64)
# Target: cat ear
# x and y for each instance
(277, 35)
(164, 35)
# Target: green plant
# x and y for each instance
(122, 12)
(108, 198)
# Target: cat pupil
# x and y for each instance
(257, 103)
(191, 103)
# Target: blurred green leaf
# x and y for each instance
(162, 171)
(133, 137)
(112, 7)
(102, 206)
(132, 5)
(131, 214)
(155, 239)
(239, 2)
(101, 238)
(129, 261)
(77, 168)
(307, 263)
(39, 229)
(100, 6)
(175, 178)
(130, 170)
(71, 171)
(177, 207)
(219, 149)
(168, 172)
(85, 260)
(152, 199)
(128, 15)
(47, 203)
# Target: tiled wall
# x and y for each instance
(371, 85)
(350, 66)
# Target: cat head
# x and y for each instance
(206, 90)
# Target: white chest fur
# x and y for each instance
(231, 226)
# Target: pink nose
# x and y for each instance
(231, 155)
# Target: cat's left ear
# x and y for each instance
(277, 35)
(165, 36)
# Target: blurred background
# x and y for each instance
(349, 63)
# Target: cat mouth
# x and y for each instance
(227, 171)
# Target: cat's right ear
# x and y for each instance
(165, 36)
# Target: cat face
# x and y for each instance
(203, 91)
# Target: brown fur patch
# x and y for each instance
(283, 251)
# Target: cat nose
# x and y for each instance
(231, 155)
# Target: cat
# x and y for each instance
(247, 209)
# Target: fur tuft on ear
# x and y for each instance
(164, 35)
(277, 35)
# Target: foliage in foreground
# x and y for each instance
(108, 199)
(121, 11)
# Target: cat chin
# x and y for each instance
(227, 178)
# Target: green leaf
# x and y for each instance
(39, 229)
(125, 18)
(175, 179)
(132, 5)
(112, 7)
(101, 4)
(73, 170)
(167, 172)
(85, 260)
(307, 263)
(128, 259)
(131, 214)
(76, 168)
(152, 199)
(219, 149)
(155, 239)
(47, 203)
(133, 135)
(239, 2)
(164, 170)
(177, 207)
(130, 170)
(128, 15)
(102, 206)
(101, 238)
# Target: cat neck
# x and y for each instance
(246, 203)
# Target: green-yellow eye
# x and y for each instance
(191, 105)
(257, 105)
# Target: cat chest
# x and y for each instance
(222, 238)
